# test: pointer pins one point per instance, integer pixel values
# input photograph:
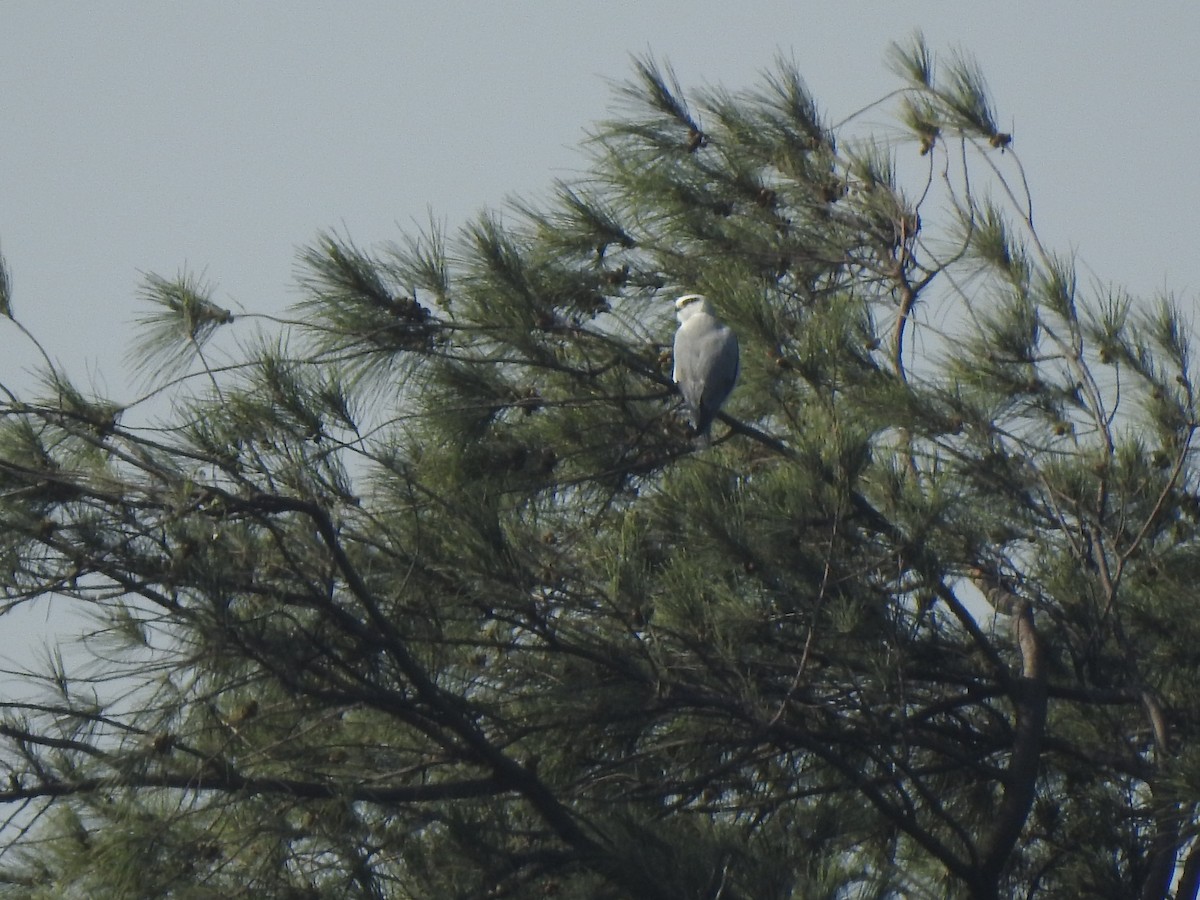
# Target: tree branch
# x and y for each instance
(210, 780)
(1020, 778)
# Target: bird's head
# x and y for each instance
(690, 304)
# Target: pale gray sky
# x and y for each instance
(221, 136)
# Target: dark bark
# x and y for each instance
(1020, 778)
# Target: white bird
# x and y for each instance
(706, 360)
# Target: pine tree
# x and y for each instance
(427, 591)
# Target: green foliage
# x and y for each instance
(427, 592)
(5, 291)
(175, 332)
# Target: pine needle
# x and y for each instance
(175, 330)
